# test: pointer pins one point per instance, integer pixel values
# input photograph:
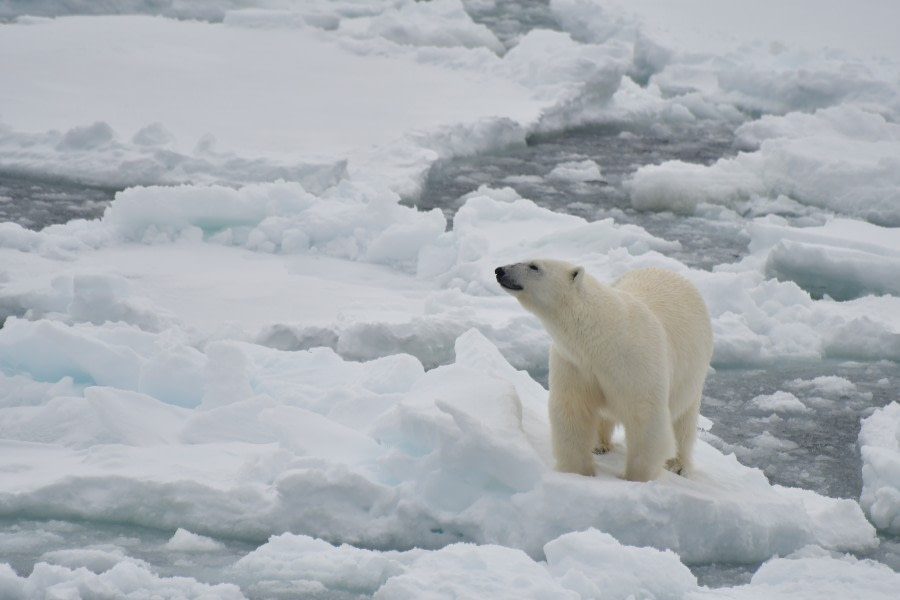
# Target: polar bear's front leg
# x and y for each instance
(573, 416)
(573, 432)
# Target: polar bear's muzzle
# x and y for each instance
(506, 280)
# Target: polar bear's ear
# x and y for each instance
(577, 274)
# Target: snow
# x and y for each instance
(259, 341)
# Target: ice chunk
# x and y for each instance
(812, 573)
(440, 23)
(185, 541)
(844, 259)
(96, 559)
(467, 571)
(102, 416)
(573, 559)
(681, 187)
(847, 169)
(495, 227)
(780, 402)
(836, 520)
(578, 565)
(577, 79)
(291, 563)
(583, 171)
(879, 442)
(827, 385)
(115, 355)
(356, 224)
(50, 351)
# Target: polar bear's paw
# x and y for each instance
(674, 465)
(603, 448)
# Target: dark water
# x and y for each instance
(35, 203)
(23, 542)
(815, 450)
(510, 19)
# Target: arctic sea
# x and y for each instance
(252, 346)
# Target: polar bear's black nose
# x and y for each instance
(499, 272)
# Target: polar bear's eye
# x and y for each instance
(533, 267)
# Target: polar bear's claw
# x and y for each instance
(674, 465)
(602, 448)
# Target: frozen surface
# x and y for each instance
(153, 103)
(279, 377)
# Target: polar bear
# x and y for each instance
(634, 353)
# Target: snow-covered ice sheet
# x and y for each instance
(161, 100)
(280, 352)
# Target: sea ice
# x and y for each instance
(879, 443)
(459, 452)
(281, 352)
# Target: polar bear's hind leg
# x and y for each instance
(685, 434)
(649, 443)
(605, 430)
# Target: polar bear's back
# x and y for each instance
(675, 302)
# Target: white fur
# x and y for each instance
(634, 353)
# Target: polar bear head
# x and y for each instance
(541, 285)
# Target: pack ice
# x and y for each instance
(262, 355)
